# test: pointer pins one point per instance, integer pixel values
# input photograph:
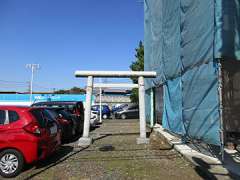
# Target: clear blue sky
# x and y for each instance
(64, 36)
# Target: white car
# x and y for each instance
(94, 119)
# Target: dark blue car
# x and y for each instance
(106, 112)
(118, 108)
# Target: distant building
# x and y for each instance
(24, 99)
(113, 96)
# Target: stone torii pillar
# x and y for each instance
(142, 116)
(85, 140)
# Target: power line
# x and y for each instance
(16, 82)
(13, 85)
(19, 84)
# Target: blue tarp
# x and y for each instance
(227, 40)
(162, 37)
(172, 113)
(153, 41)
(148, 106)
(197, 32)
(200, 105)
(183, 40)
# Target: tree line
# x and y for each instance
(137, 65)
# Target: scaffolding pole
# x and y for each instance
(220, 92)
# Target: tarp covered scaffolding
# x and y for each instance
(185, 40)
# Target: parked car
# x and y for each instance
(75, 108)
(94, 121)
(118, 107)
(67, 122)
(27, 135)
(106, 112)
(130, 112)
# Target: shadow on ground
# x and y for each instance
(58, 157)
(204, 170)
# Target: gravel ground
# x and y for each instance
(114, 155)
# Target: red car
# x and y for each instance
(26, 136)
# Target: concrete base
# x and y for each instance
(142, 140)
(210, 166)
(83, 142)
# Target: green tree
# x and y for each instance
(74, 90)
(60, 91)
(137, 65)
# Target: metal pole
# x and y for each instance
(31, 83)
(85, 140)
(100, 101)
(220, 87)
(142, 139)
(152, 107)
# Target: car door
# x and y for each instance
(135, 114)
(10, 126)
(4, 126)
(131, 112)
(105, 110)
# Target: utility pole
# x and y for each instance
(33, 68)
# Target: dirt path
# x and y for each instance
(113, 155)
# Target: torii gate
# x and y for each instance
(85, 140)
